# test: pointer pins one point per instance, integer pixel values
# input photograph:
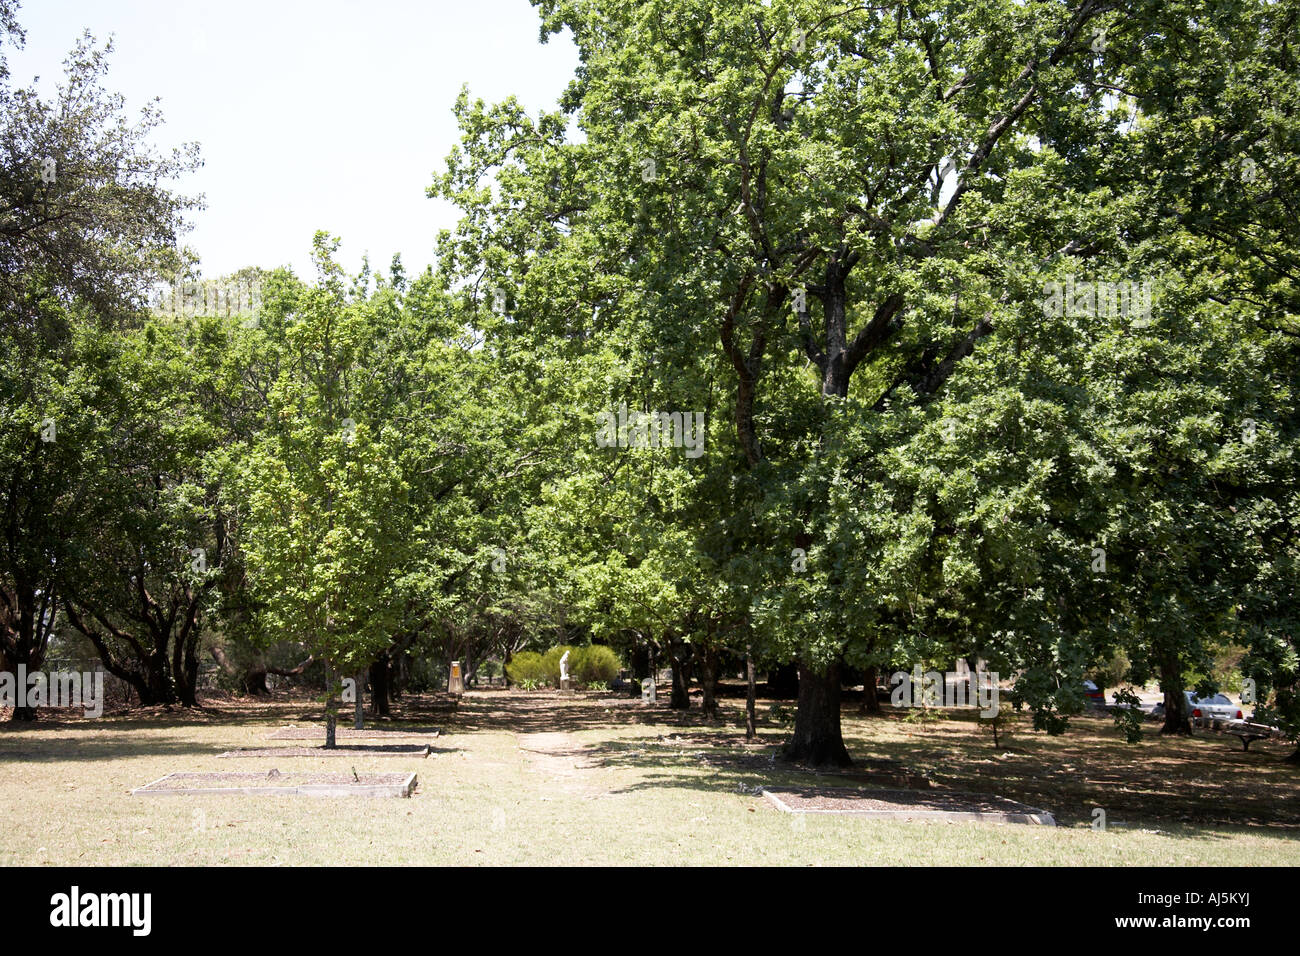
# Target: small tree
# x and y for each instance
(324, 535)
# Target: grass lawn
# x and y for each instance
(539, 778)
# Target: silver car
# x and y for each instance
(1204, 711)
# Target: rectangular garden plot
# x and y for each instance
(347, 733)
(279, 784)
(907, 805)
(342, 750)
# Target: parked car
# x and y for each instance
(1204, 709)
(1217, 707)
(1096, 696)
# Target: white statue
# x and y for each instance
(564, 666)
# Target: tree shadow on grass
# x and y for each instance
(1198, 781)
(90, 749)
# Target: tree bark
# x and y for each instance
(398, 676)
(817, 739)
(147, 671)
(681, 696)
(331, 719)
(751, 695)
(25, 626)
(379, 687)
(783, 682)
(708, 661)
(359, 705)
(252, 680)
(1177, 720)
(185, 664)
(870, 702)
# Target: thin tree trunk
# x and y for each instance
(708, 676)
(870, 702)
(331, 718)
(751, 694)
(681, 696)
(359, 709)
(379, 687)
(398, 677)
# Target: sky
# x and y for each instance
(310, 115)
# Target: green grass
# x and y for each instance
(619, 794)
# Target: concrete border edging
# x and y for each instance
(1035, 816)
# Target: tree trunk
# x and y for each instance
(331, 718)
(359, 705)
(817, 738)
(183, 675)
(254, 683)
(252, 680)
(160, 688)
(25, 625)
(870, 702)
(708, 682)
(681, 696)
(751, 694)
(783, 682)
(379, 687)
(398, 677)
(1177, 720)
(640, 662)
(147, 672)
(191, 669)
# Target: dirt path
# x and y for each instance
(563, 761)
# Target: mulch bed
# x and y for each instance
(347, 733)
(342, 750)
(905, 804)
(281, 784)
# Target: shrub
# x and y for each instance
(1113, 673)
(528, 669)
(1128, 714)
(594, 666)
(551, 664)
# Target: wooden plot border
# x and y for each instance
(404, 788)
(1030, 815)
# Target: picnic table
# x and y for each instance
(1247, 731)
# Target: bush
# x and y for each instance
(594, 666)
(551, 664)
(1128, 714)
(528, 669)
(1113, 673)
